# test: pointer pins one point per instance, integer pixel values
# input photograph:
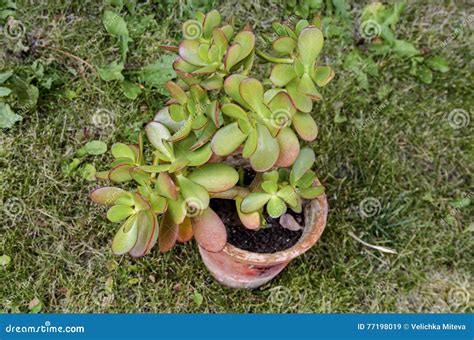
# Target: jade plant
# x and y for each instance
(219, 124)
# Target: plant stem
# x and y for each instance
(268, 57)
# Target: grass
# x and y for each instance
(407, 159)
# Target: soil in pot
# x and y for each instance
(268, 239)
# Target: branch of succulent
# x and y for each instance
(216, 111)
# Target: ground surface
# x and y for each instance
(408, 162)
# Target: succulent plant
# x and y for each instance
(217, 113)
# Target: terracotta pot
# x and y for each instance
(237, 268)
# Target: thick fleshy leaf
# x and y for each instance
(232, 88)
(185, 230)
(220, 41)
(157, 133)
(254, 201)
(212, 20)
(159, 204)
(323, 75)
(209, 231)
(250, 144)
(215, 177)
(227, 139)
(166, 187)
(246, 39)
(267, 151)
(312, 192)
(126, 236)
(168, 233)
(307, 87)
(204, 136)
(289, 195)
(234, 111)
(147, 233)
(182, 65)
(214, 82)
(283, 109)
(195, 195)
(102, 175)
(250, 221)
(155, 168)
(302, 24)
(177, 210)
(232, 56)
(183, 132)
(141, 203)
(199, 156)
(276, 207)
(305, 126)
(106, 195)
(139, 175)
(284, 45)
(176, 92)
(289, 148)
(282, 74)
(251, 90)
(307, 180)
(119, 212)
(121, 173)
(303, 163)
(228, 31)
(120, 150)
(163, 117)
(270, 187)
(189, 51)
(303, 102)
(212, 111)
(310, 43)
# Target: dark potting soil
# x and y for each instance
(268, 239)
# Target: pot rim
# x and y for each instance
(311, 234)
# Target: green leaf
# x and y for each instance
(195, 195)
(405, 49)
(289, 148)
(157, 133)
(250, 221)
(7, 117)
(284, 45)
(5, 75)
(438, 63)
(120, 150)
(305, 126)
(288, 194)
(212, 20)
(95, 147)
(4, 91)
(5, 260)
(282, 74)
(119, 212)
(254, 201)
(424, 74)
(312, 192)
(168, 232)
(303, 163)
(166, 186)
(177, 210)
(310, 43)
(88, 172)
(323, 75)
(270, 187)
(215, 177)
(267, 152)
(227, 139)
(107, 195)
(111, 72)
(126, 237)
(121, 173)
(115, 24)
(251, 90)
(131, 90)
(158, 73)
(198, 299)
(276, 207)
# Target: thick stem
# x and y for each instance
(231, 193)
(268, 57)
